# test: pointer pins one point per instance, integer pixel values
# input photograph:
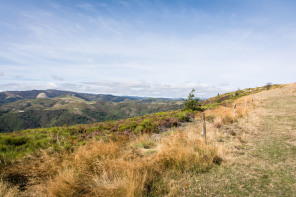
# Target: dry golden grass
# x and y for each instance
(121, 169)
(7, 191)
(225, 114)
(259, 159)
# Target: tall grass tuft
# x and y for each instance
(7, 191)
(119, 169)
(224, 115)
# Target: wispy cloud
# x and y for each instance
(58, 78)
(87, 6)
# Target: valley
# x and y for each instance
(23, 110)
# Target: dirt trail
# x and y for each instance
(266, 164)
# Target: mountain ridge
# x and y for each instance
(12, 96)
(47, 108)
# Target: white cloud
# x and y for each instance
(56, 77)
(224, 84)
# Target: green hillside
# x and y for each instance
(70, 110)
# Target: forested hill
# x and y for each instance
(11, 96)
(47, 108)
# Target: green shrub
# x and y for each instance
(3, 148)
(16, 141)
(182, 116)
(192, 103)
(146, 126)
(127, 126)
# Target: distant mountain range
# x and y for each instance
(11, 96)
(46, 108)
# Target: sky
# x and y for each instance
(151, 48)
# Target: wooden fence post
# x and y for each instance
(252, 97)
(234, 110)
(204, 132)
(246, 102)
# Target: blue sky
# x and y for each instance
(157, 48)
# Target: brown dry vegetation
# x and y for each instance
(7, 191)
(123, 168)
(115, 169)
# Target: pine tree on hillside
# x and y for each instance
(192, 103)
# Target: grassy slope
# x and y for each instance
(250, 166)
(265, 165)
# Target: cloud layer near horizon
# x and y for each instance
(130, 88)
